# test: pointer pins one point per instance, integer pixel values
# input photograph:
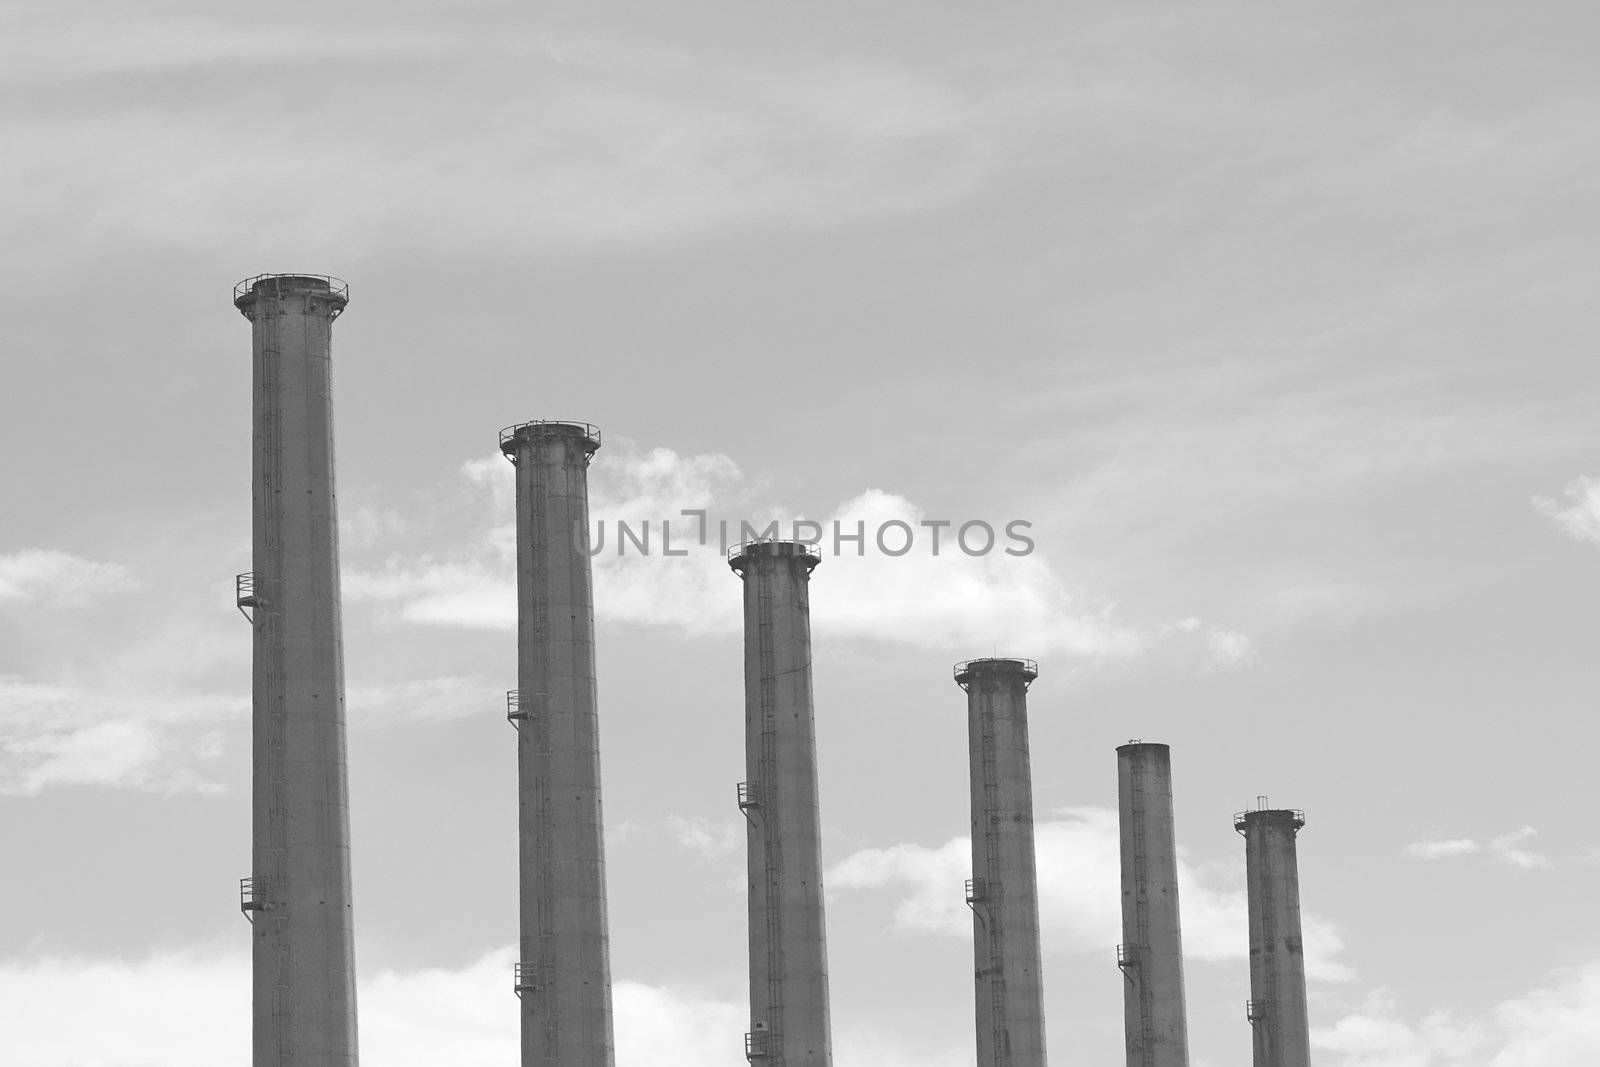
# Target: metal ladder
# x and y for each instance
(270, 725)
(767, 776)
(994, 883)
(538, 735)
(1139, 973)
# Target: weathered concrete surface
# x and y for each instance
(565, 944)
(303, 965)
(1280, 1023)
(1152, 939)
(790, 1025)
(1009, 986)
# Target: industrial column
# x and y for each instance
(1277, 1009)
(1151, 955)
(298, 895)
(789, 1025)
(564, 977)
(1004, 889)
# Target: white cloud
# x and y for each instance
(148, 735)
(1080, 900)
(930, 595)
(468, 1016)
(1506, 849)
(1554, 1026)
(1579, 515)
(1377, 1036)
(79, 735)
(362, 527)
(710, 838)
(136, 755)
(194, 1008)
(951, 599)
(1228, 650)
(47, 578)
(151, 712)
(933, 876)
(1557, 1026)
(172, 1008)
(1443, 849)
(676, 1029)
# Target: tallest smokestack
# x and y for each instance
(564, 979)
(298, 896)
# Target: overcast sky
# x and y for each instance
(1274, 321)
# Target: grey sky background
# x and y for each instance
(1273, 320)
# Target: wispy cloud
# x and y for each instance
(1079, 893)
(137, 755)
(1443, 849)
(74, 735)
(1222, 650)
(1228, 650)
(1578, 514)
(1506, 849)
(362, 527)
(573, 139)
(49, 578)
(1288, 432)
(440, 699)
(150, 735)
(712, 839)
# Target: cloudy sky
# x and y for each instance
(1274, 321)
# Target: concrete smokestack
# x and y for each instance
(1277, 1008)
(1151, 955)
(298, 895)
(1004, 890)
(789, 1024)
(564, 977)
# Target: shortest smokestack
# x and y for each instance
(1277, 1007)
(1151, 953)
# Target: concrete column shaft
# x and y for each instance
(1281, 1029)
(1153, 996)
(788, 937)
(303, 957)
(565, 944)
(1009, 985)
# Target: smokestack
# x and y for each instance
(1277, 1006)
(789, 1025)
(564, 977)
(298, 895)
(1004, 890)
(1151, 955)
